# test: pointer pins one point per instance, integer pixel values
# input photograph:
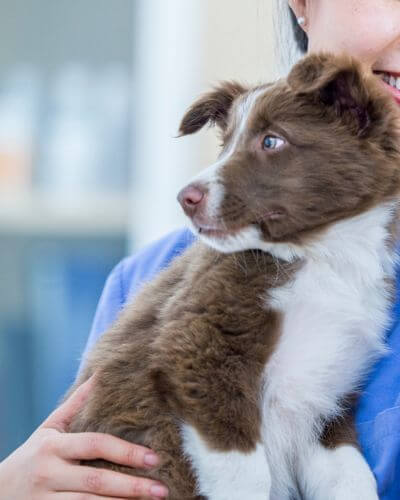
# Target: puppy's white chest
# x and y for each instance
(332, 328)
(334, 319)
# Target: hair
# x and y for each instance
(291, 40)
(300, 35)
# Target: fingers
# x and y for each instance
(106, 483)
(66, 495)
(91, 445)
(62, 416)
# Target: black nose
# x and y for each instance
(191, 198)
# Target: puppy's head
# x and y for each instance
(297, 155)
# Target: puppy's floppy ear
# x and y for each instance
(336, 81)
(213, 107)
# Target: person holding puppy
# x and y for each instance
(46, 466)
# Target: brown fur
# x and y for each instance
(342, 430)
(213, 108)
(193, 345)
(342, 156)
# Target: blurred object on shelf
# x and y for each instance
(19, 98)
(53, 213)
(69, 133)
(113, 93)
(71, 147)
(86, 131)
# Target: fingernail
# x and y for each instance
(151, 460)
(159, 491)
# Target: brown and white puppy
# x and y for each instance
(239, 363)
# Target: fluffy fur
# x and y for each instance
(240, 363)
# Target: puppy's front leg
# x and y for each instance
(334, 469)
(231, 475)
(337, 474)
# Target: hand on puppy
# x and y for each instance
(46, 466)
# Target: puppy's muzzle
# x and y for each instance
(193, 199)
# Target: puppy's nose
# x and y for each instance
(192, 198)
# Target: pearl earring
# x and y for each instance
(301, 20)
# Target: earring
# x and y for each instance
(301, 20)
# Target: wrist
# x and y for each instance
(7, 478)
(3, 467)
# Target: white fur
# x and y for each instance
(336, 474)
(227, 476)
(334, 318)
(242, 240)
(250, 238)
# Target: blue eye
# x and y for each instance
(272, 142)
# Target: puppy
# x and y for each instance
(240, 363)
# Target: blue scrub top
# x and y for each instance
(378, 414)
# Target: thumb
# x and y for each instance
(62, 416)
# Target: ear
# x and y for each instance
(212, 108)
(336, 81)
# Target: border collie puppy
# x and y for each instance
(240, 363)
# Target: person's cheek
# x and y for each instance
(367, 36)
(363, 28)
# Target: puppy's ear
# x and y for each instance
(213, 108)
(336, 81)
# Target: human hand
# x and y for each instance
(46, 466)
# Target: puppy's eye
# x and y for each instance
(271, 142)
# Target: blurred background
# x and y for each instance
(91, 95)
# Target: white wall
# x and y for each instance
(182, 47)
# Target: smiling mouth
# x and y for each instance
(391, 82)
